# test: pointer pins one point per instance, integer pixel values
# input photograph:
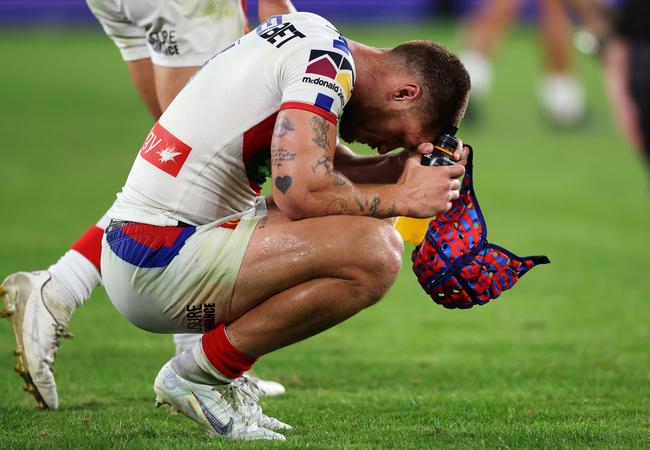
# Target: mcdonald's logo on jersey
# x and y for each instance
(332, 65)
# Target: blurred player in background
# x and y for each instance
(626, 60)
(192, 243)
(560, 92)
(619, 33)
(163, 42)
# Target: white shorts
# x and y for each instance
(176, 279)
(173, 33)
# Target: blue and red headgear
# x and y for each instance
(456, 265)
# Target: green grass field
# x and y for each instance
(561, 361)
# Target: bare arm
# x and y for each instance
(369, 169)
(306, 184)
(386, 168)
(268, 8)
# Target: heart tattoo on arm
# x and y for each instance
(283, 183)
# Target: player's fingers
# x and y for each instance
(413, 159)
(424, 148)
(463, 155)
(454, 195)
(458, 153)
(455, 171)
(455, 184)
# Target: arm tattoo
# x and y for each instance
(338, 181)
(283, 183)
(325, 164)
(283, 126)
(374, 206)
(320, 127)
(359, 204)
(336, 207)
(280, 155)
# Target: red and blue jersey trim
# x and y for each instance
(147, 246)
(321, 110)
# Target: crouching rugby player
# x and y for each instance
(192, 247)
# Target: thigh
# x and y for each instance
(142, 75)
(283, 253)
(169, 81)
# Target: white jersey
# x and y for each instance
(209, 153)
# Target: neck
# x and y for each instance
(370, 64)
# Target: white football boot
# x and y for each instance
(39, 323)
(247, 404)
(267, 387)
(209, 406)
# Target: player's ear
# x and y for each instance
(406, 92)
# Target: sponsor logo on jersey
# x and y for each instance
(325, 83)
(333, 65)
(164, 42)
(324, 101)
(271, 22)
(200, 318)
(164, 150)
(342, 44)
(277, 33)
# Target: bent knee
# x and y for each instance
(380, 258)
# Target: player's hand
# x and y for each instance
(460, 154)
(429, 191)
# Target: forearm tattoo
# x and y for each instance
(320, 128)
(338, 206)
(369, 207)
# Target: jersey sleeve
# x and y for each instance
(317, 75)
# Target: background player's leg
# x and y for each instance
(142, 75)
(169, 82)
(40, 305)
(483, 34)
(561, 93)
(47, 300)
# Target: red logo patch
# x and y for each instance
(164, 150)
